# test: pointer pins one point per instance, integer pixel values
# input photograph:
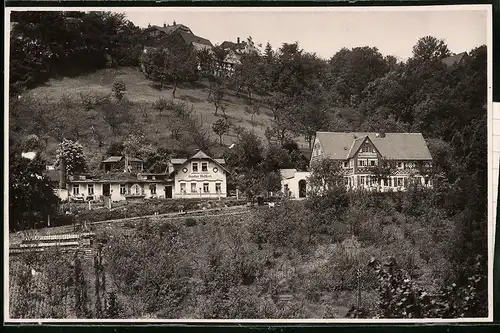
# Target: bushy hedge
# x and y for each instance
(142, 208)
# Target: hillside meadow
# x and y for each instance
(76, 93)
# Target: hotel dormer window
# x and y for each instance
(204, 166)
(195, 166)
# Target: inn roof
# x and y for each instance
(393, 146)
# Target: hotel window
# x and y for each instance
(183, 187)
(91, 189)
(204, 166)
(361, 163)
(217, 187)
(193, 187)
(346, 180)
(346, 164)
(152, 188)
(372, 163)
(400, 182)
(76, 189)
(123, 189)
(400, 165)
(195, 166)
(362, 180)
(205, 187)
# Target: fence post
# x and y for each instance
(359, 292)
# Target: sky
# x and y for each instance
(392, 30)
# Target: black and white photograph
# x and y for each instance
(248, 164)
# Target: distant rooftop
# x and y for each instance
(454, 59)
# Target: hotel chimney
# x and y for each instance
(126, 164)
(238, 40)
(62, 174)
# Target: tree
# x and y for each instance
(219, 55)
(383, 170)
(161, 105)
(72, 152)
(351, 70)
(119, 89)
(253, 110)
(326, 174)
(31, 196)
(174, 65)
(205, 61)
(430, 48)
(220, 127)
(217, 95)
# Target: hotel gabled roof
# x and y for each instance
(394, 146)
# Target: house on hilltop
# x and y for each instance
(157, 31)
(233, 58)
(176, 33)
(456, 59)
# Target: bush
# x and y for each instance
(190, 222)
(119, 89)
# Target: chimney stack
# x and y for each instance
(238, 40)
(126, 163)
(62, 174)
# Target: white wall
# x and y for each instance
(199, 178)
(293, 183)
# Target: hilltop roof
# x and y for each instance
(170, 28)
(233, 46)
(193, 39)
(394, 146)
(454, 59)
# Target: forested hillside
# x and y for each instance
(273, 98)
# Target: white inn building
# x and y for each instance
(123, 178)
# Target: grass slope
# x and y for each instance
(142, 91)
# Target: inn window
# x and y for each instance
(400, 165)
(346, 181)
(361, 163)
(194, 166)
(400, 182)
(372, 163)
(193, 187)
(152, 187)
(183, 187)
(76, 189)
(91, 189)
(123, 189)
(346, 164)
(204, 166)
(217, 187)
(362, 180)
(205, 187)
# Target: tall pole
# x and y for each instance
(359, 291)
